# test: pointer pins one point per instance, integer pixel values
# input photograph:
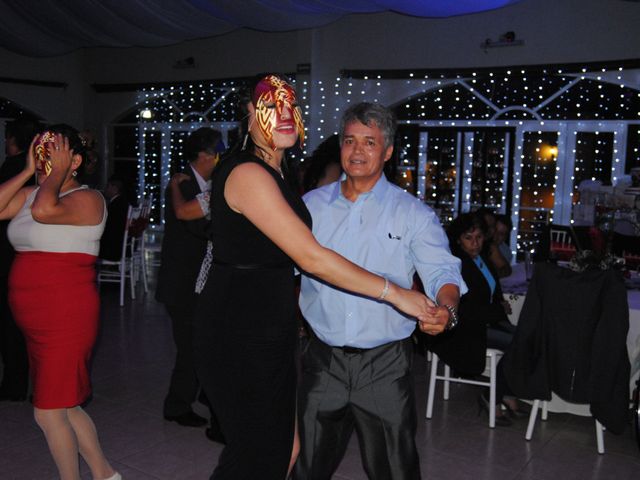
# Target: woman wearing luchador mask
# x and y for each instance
(246, 327)
(55, 230)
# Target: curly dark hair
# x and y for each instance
(463, 223)
(75, 143)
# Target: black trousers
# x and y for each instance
(15, 377)
(370, 391)
(184, 382)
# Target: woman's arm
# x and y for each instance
(251, 191)
(184, 210)
(13, 194)
(84, 207)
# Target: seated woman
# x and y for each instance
(483, 318)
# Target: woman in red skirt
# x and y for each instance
(55, 230)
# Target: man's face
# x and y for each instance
(363, 152)
(277, 114)
(42, 148)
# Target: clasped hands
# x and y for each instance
(434, 319)
(431, 318)
(178, 178)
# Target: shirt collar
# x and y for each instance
(378, 191)
(202, 183)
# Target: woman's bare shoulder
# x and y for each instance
(88, 194)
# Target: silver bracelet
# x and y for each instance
(385, 289)
(453, 317)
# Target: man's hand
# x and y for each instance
(433, 321)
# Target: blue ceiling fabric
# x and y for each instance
(54, 27)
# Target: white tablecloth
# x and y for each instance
(515, 287)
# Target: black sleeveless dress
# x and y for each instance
(245, 338)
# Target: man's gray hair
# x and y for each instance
(368, 114)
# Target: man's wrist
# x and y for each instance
(453, 317)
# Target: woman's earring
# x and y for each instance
(244, 142)
(74, 173)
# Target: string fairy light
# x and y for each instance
(498, 138)
(509, 120)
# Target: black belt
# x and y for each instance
(358, 350)
(252, 266)
(353, 350)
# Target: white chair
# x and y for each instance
(138, 245)
(118, 271)
(560, 237)
(561, 242)
(532, 423)
(493, 356)
(555, 327)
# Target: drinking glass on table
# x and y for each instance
(528, 265)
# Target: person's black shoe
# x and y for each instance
(501, 418)
(215, 435)
(514, 408)
(189, 419)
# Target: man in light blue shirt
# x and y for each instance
(357, 366)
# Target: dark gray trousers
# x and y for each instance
(184, 382)
(371, 391)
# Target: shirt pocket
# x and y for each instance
(386, 255)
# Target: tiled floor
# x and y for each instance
(130, 373)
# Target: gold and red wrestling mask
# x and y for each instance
(44, 143)
(271, 97)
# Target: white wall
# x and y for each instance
(554, 31)
(236, 54)
(54, 104)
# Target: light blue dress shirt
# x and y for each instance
(389, 232)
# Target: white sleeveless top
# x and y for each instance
(27, 235)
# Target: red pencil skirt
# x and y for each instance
(54, 299)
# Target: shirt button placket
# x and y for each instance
(353, 234)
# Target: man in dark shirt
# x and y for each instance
(183, 248)
(15, 378)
